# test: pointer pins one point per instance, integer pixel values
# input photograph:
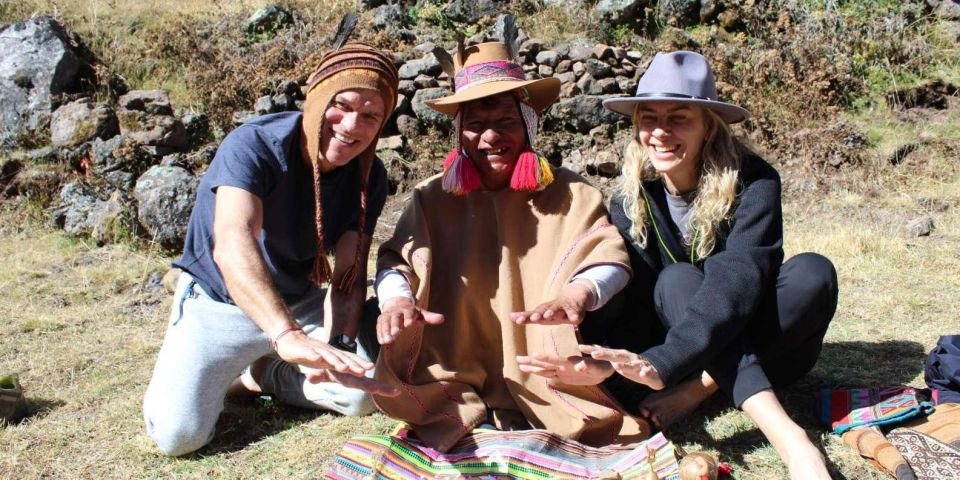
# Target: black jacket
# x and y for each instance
(742, 267)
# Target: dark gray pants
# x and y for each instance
(783, 340)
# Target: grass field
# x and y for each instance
(82, 324)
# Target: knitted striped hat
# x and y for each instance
(354, 66)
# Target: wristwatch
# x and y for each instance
(343, 342)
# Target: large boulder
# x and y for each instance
(81, 213)
(470, 11)
(391, 18)
(946, 9)
(583, 112)
(165, 195)
(77, 200)
(267, 22)
(81, 121)
(37, 65)
(620, 12)
(427, 115)
(679, 13)
(147, 117)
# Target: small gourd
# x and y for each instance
(698, 466)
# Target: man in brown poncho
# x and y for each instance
(499, 236)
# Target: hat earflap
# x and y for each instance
(532, 172)
(460, 175)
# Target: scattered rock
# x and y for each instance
(113, 220)
(619, 12)
(549, 58)
(80, 121)
(938, 205)
(170, 279)
(408, 126)
(426, 114)
(243, 116)
(390, 143)
(76, 201)
(470, 11)
(679, 13)
(579, 51)
(391, 18)
(428, 65)
(147, 117)
(165, 196)
(38, 64)
(197, 127)
(946, 9)
(597, 69)
(267, 22)
(921, 227)
(529, 49)
(582, 113)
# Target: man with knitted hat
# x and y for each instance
(500, 237)
(282, 191)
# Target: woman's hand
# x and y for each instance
(574, 370)
(628, 364)
(567, 308)
(399, 313)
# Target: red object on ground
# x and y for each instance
(724, 470)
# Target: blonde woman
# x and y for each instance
(702, 215)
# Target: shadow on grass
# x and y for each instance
(841, 365)
(245, 421)
(35, 409)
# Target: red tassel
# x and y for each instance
(525, 175)
(460, 176)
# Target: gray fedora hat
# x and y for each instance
(678, 77)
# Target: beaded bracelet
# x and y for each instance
(274, 340)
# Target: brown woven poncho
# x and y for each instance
(476, 258)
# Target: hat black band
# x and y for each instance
(671, 95)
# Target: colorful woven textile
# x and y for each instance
(842, 410)
(929, 458)
(491, 454)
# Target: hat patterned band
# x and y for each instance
(672, 95)
(494, 71)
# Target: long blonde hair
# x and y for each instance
(716, 189)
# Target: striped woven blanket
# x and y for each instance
(492, 454)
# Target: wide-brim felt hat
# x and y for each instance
(485, 70)
(683, 77)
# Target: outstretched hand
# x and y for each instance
(299, 349)
(399, 313)
(567, 308)
(573, 370)
(368, 385)
(628, 364)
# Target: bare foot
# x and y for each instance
(665, 407)
(806, 462)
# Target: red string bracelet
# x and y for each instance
(274, 340)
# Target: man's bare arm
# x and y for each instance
(237, 223)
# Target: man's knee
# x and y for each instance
(175, 438)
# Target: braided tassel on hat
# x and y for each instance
(532, 172)
(460, 175)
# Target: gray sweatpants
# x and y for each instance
(207, 345)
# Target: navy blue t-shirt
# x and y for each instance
(263, 157)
